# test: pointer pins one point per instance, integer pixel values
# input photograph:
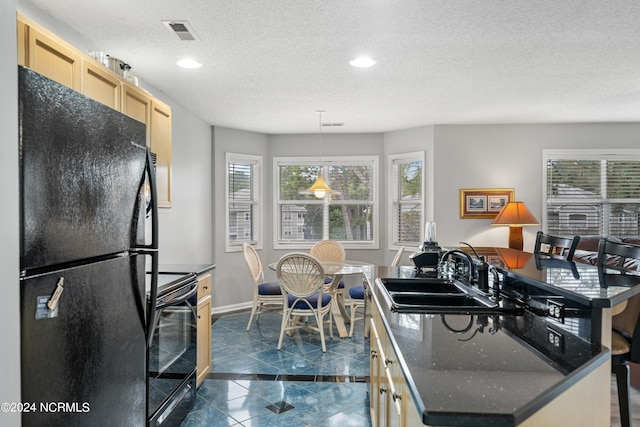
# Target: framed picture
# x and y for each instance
(484, 202)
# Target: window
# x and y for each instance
(349, 216)
(406, 195)
(243, 200)
(592, 192)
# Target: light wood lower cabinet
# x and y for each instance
(203, 357)
(391, 402)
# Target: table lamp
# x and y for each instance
(515, 215)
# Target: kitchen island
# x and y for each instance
(489, 369)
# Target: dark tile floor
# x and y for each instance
(254, 384)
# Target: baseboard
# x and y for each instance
(231, 308)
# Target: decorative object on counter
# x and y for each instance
(555, 246)
(484, 202)
(515, 215)
(428, 255)
(320, 188)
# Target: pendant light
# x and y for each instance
(320, 188)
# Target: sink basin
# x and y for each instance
(441, 303)
(438, 295)
(432, 286)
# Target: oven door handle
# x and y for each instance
(180, 299)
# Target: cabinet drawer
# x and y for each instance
(204, 286)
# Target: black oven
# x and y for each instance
(172, 353)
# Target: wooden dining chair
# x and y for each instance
(267, 296)
(332, 256)
(357, 295)
(302, 281)
(614, 259)
(547, 244)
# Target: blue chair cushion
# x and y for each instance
(328, 280)
(269, 288)
(313, 299)
(356, 292)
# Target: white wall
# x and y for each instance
(408, 141)
(9, 243)
(233, 286)
(186, 228)
(510, 156)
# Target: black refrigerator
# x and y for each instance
(86, 183)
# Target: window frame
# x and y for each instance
(372, 161)
(257, 162)
(586, 155)
(392, 159)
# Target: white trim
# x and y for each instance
(409, 157)
(327, 161)
(258, 220)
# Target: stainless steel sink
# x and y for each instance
(435, 295)
(432, 286)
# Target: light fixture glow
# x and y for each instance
(363, 62)
(189, 63)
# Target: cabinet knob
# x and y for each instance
(374, 353)
(396, 396)
(383, 390)
(388, 361)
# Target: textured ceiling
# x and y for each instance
(269, 65)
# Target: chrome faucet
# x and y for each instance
(471, 266)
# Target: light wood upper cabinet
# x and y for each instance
(49, 55)
(100, 84)
(53, 58)
(22, 43)
(161, 145)
(136, 103)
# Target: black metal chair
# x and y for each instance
(554, 246)
(613, 261)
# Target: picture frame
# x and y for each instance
(484, 202)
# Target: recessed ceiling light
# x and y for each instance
(189, 63)
(363, 62)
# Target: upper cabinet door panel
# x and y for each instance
(161, 145)
(53, 59)
(100, 84)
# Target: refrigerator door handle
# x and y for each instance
(153, 250)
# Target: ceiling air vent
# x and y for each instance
(182, 29)
(332, 124)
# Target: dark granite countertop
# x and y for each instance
(499, 372)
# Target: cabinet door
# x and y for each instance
(136, 103)
(203, 357)
(161, 145)
(22, 43)
(100, 84)
(53, 59)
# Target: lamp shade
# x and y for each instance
(515, 213)
(319, 188)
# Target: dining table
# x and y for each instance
(337, 272)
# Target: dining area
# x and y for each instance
(310, 292)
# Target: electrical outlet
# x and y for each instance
(556, 339)
(555, 310)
